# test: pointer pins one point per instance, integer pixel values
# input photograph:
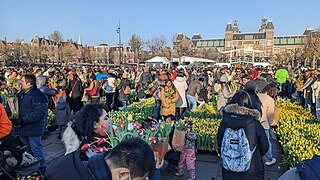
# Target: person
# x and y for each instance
(267, 96)
(122, 88)
(245, 79)
(110, 88)
(85, 126)
(50, 93)
(316, 89)
(33, 111)
(224, 93)
(92, 92)
(75, 92)
(251, 88)
(169, 95)
(180, 83)
(188, 155)
(156, 93)
(130, 159)
(282, 75)
(193, 90)
(63, 115)
(240, 115)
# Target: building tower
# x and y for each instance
(263, 25)
(79, 41)
(269, 38)
(235, 27)
(228, 38)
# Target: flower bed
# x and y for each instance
(298, 133)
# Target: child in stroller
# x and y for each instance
(13, 156)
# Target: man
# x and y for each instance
(130, 159)
(33, 110)
(193, 90)
(282, 75)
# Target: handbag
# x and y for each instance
(74, 85)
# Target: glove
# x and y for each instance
(17, 122)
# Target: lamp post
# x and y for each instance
(120, 53)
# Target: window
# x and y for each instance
(221, 43)
(276, 41)
(269, 43)
(248, 37)
(283, 41)
(198, 44)
(298, 41)
(240, 43)
(210, 43)
(263, 43)
(228, 44)
(204, 43)
(257, 42)
(291, 41)
(216, 43)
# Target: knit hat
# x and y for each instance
(224, 78)
(62, 99)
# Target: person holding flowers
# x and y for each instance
(169, 95)
(188, 155)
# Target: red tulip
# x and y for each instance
(98, 150)
(140, 131)
(139, 126)
(151, 138)
(85, 147)
(102, 127)
(101, 142)
(168, 119)
(121, 123)
(154, 141)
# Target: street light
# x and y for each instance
(119, 33)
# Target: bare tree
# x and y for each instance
(56, 37)
(157, 45)
(136, 44)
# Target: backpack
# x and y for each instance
(127, 90)
(309, 169)
(235, 151)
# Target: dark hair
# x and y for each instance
(242, 98)
(84, 120)
(134, 154)
(246, 76)
(271, 90)
(30, 78)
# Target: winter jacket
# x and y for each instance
(223, 97)
(194, 87)
(63, 113)
(77, 88)
(5, 123)
(261, 83)
(122, 86)
(168, 106)
(146, 77)
(33, 111)
(181, 85)
(268, 105)
(316, 89)
(71, 166)
(190, 140)
(235, 117)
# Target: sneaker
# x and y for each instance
(271, 162)
(180, 173)
(192, 177)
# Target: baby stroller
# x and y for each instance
(14, 160)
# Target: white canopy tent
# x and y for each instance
(192, 60)
(157, 59)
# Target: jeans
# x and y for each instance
(192, 103)
(110, 101)
(125, 103)
(34, 147)
(180, 112)
(318, 107)
(268, 156)
(157, 110)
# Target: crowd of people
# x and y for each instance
(245, 98)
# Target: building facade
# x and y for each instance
(42, 50)
(242, 44)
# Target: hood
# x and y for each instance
(250, 86)
(236, 116)
(62, 106)
(70, 140)
(180, 79)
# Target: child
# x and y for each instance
(63, 114)
(188, 155)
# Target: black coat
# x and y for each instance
(122, 86)
(247, 119)
(68, 167)
(33, 110)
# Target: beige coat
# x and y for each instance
(268, 106)
(181, 86)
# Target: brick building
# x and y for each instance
(263, 40)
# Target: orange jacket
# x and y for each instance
(5, 123)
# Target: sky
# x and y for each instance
(96, 21)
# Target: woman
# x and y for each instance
(239, 115)
(316, 89)
(224, 93)
(267, 96)
(124, 90)
(75, 92)
(181, 84)
(92, 92)
(90, 122)
(169, 95)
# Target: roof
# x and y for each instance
(193, 60)
(196, 36)
(158, 59)
(229, 27)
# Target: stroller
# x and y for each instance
(14, 160)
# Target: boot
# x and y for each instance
(192, 176)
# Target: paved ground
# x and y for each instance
(207, 165)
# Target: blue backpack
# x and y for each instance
(235, 150)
